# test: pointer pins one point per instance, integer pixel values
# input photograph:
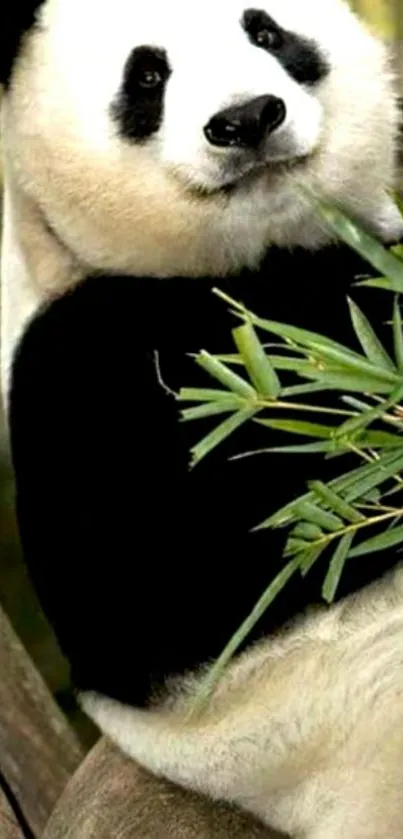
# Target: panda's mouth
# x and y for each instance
(234, 181)
(287, 149)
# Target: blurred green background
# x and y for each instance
(16, 595)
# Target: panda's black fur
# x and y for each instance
(145, 567)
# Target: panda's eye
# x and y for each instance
(300, 57)
(263, 31)
(138, 107)
(150, 78)
(268, 38)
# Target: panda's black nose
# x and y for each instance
(245, 126)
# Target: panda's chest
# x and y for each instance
(101, 456)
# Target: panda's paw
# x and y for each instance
(386, 222)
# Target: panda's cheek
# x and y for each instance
(181, 149)
(301, 133)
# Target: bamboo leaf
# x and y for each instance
(220, 433)
(397, 250)
(308, 531)
(347, 483)
(356, 403)
(303, 337)
(341, 445)
(229, 358)
(335, 502)
(210, 409)
(308, 448)
(308, 429)
(309, 558)
(213, 675)
(301, 390)
(337, 379)
(373, 496)
(380, 440)
(193, 394)
(288, 362)
(398, 334)
(377, 282)
(387, 539)
(236, 358)
(371, 414)
(330, 376)
(308, 511)
(354, 384)
(226, 376)
(336, 566)
(373, 348)
(257, 363)
(387, 463)
(373, 475)
(302, 366)
(356, 364)
(395, 490)
(288, 333)
(295, 546)
(366, 245)
(284, 515)
(375, 382)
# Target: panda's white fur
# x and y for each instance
(305, 732)
(67, 174)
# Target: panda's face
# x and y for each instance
(209, 91)
(214, 91)
(169, 136)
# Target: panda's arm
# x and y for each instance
(130, 552)
(94, 454)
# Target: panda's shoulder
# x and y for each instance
(16, 19)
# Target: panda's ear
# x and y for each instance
(17, 17)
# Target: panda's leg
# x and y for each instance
(260, 774)
(319, 764)
(378, 818)
(195, 756)
(221, 759)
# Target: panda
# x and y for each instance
(152, 152)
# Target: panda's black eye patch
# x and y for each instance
(263, 30)
(299, 56)
(138, 107)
